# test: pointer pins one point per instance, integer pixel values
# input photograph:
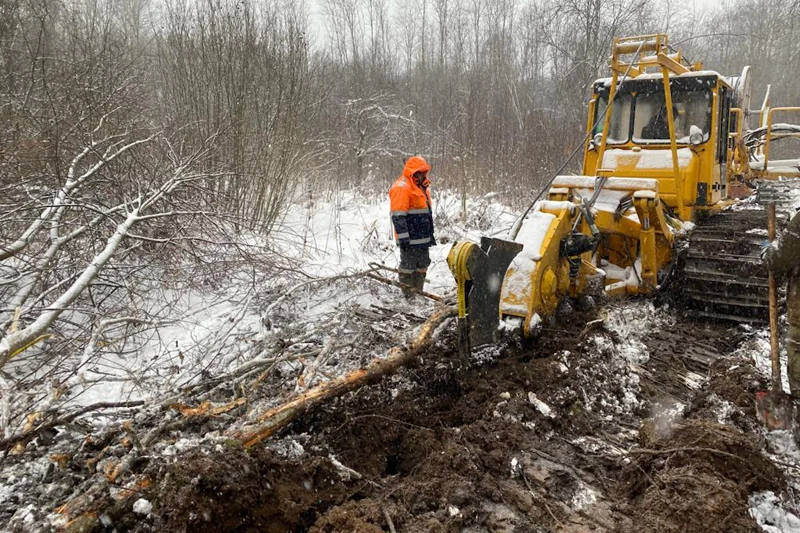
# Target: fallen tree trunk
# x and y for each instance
(395, 283)
(25, 436)
(399, 356)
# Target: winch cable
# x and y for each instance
(512, 234)
(586, 205)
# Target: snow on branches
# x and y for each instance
(67, 256)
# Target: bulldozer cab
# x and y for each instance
(641, 118)
(665, 140)
(667, 121)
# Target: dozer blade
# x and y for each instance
(479, 273)
(483, 302)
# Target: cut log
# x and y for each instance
(84, 513)
(280, 416)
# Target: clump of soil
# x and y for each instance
(736, 381)
(362, 516)
(236, 490)
(691, 500)
(730, 393)
(697, 478)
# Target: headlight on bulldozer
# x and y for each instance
(597, 139)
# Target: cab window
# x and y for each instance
(639, 112)
(619, 127)
(690, 108)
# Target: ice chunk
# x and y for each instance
(142, 506)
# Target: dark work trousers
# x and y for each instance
(414, 262)
(414, 259)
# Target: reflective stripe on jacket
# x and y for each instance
(410, 206)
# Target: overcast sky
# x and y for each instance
(319, 31)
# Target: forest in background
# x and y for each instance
(149, 149)
(493, 92)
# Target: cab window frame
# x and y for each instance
(632, 88)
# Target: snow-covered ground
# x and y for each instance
(770, 514)
(220, 328)
(216, 329)
(767, 508)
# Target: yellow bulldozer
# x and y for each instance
(667, 145)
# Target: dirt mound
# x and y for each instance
(362, 516)
(697, 478)
(454, 447)
(729, 396)
(688, 500)
(537, 439)
(235, 490)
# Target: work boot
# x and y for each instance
(419, 281)
(407, 278)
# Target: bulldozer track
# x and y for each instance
(724, 277)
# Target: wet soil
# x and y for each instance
(697, 478)
(535, 439)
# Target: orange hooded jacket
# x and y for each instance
(410, 206)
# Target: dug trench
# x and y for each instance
(587, 430)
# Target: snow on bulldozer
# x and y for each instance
(667, 147)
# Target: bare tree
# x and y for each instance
(243, 72)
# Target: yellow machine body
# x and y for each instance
(457, 260)
(649, 186)
(664, 143)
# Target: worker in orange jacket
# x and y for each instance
(412, 218)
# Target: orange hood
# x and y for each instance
(416, 164)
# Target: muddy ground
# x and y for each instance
(588, 429)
